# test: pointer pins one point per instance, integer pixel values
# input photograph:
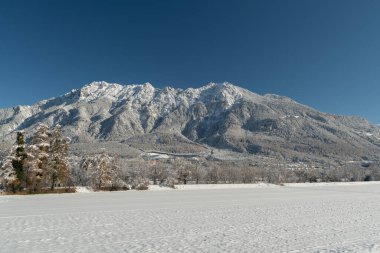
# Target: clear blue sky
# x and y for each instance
(323, 53)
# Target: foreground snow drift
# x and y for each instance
(263, 219)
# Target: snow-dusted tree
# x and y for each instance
(155, 171)
(41, 146)
(197, 171)
(8, 175)
(82, 175)
(184, 173)
(137, 175)
(59, 168)
(102, 172)
(34, 173)
(13, 168)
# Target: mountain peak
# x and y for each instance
(218, 85)
(148, 85)
(96, 89)
(96, 85)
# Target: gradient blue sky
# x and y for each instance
(323, 53)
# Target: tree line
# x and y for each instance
(39, 165)
(43, 165)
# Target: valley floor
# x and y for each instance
(290, 218)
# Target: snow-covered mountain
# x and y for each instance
(221, 116)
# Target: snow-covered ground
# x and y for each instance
(190, 187)
(322, 218)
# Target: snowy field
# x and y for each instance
(292, 218)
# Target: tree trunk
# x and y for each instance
(52, 184)
(155, 176)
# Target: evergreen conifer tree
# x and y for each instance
(8, 175)
(41, 146)
(59, 168)
(18, 162)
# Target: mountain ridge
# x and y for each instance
(218, 115)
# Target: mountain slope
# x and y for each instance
(222, 116)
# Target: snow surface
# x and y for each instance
(306, 218)
(190, 187)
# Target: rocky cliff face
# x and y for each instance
(221, 116)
